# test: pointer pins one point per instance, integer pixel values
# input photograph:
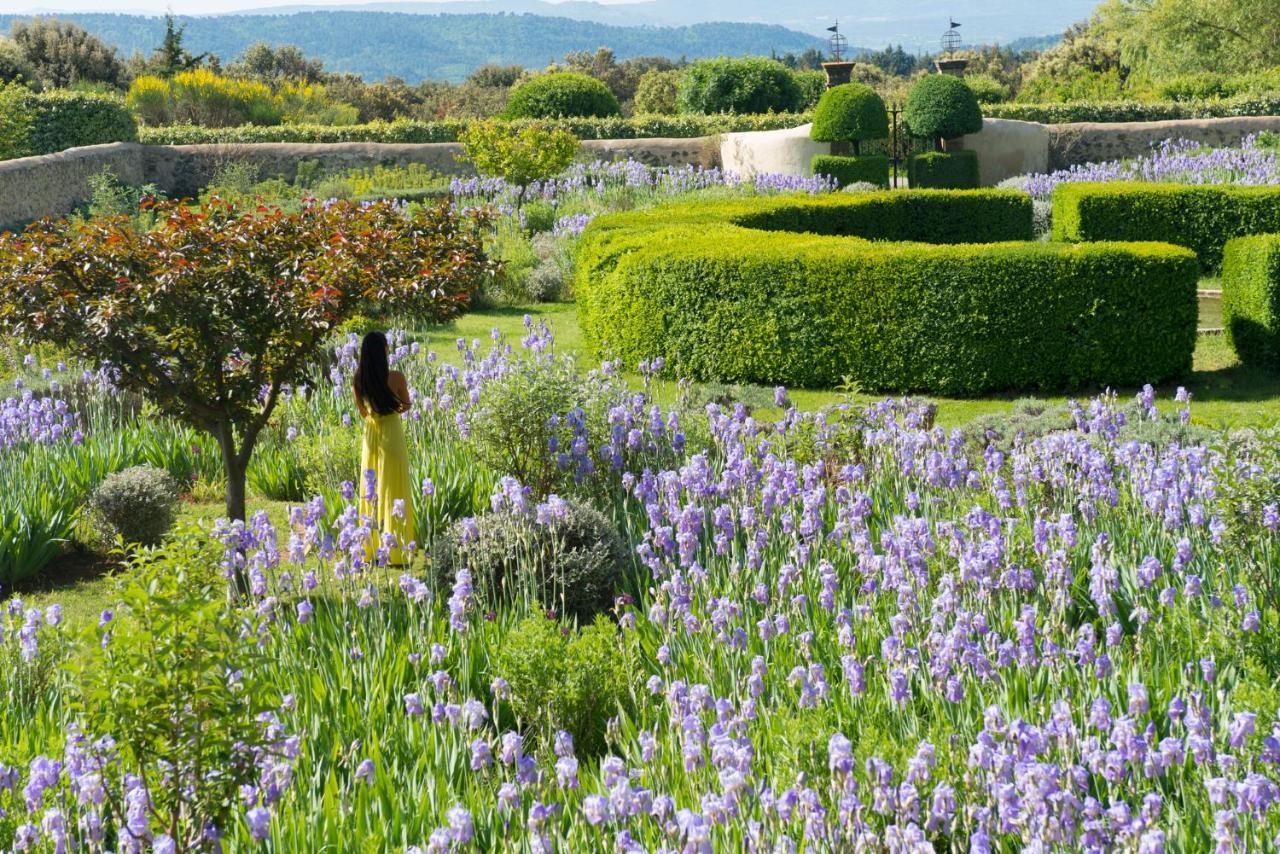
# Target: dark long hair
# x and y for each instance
(371, 375)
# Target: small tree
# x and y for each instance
(848, 115)
(212, 312)
(533, 153)
(942, 107)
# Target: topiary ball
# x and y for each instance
(571, 561)
(942, 107)
(562, 95)
(136, 504)
(850, 112)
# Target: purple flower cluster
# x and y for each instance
(38, 420)
(1173, 161)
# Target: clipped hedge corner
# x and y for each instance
(1202, 218)
(944, 171)
(791, 290)
(870, 168)
(1251, 299)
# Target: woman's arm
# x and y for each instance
(400, 388)
(359, 401)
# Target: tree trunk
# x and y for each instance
(233, 470)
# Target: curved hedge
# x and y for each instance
(779, 290)
(1202, 218)
(564, 94)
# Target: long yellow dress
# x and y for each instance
(383, 452)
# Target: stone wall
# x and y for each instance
(53, 184)
(56, 184)
(1091, 142)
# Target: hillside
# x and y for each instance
(447, 46)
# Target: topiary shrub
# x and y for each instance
(753, 85)
(942, 107)
(940, 170)
(565, 680)
(870, 169)
(562, 95)
(570, 563)
(848, 115)
(1202, 218)
(136, 504)
(1251, 299)
(726, 291)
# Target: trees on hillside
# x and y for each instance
(61, 54)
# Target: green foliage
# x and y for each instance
(533, 153)
(450, 130)
(571, 562)
(61, 54)
(13, 63)
(944, 170)
(812, 86)
(1251, 299)
(561, 95)
(753, 85)
(726, 292)
(203, 312)
(561, 679)
(178, 688)
(850, 113)
(987, 89)
(328, 458)
(276, 472)
(658, 91)
(1202, 218)
(1112, 110)
(136, 504)
(867, 169)
(942, 107)
(41, 123)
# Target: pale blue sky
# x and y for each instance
(179, 7)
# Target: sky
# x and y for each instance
(178, 7)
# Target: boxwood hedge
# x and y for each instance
(1202, 218)
(780, 290)
(1251, 299)
(869, 168)
(957, 170)
(42, 123)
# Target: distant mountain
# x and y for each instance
(917, 25)
(440, 47)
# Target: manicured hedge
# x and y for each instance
(1137, 111)
(42, 123)
(722, 295)
(1251, 299)
(944, 171)
(869, 168)
(1202, 218)
(637, 127)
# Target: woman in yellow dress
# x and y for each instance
(386, 498)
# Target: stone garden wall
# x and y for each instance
(1089, 142)
(55, 184)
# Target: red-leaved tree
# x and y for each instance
(215, 309)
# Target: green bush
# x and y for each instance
(849, 113)
(1251, 299)
(570, 563)
(812, 85)
(942, 107)
(868, 169)
(42, 123)
(752, 85)
(1266, 104)
(1202, 218)
(987, 89)
(944, 170)
(136, 504)
(567, 680)
(657, 90)
(560, 95)
(725, 292)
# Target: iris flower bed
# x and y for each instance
(845, 630)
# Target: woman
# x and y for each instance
(385, 496)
